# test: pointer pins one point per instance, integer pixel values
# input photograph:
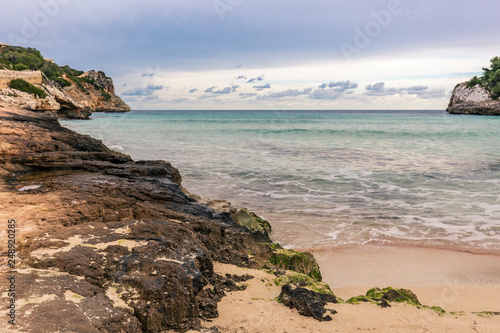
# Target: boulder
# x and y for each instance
(307, 302)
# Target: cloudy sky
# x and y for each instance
(272, 54)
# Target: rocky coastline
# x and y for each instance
(108, 244)
(72, 102)
(68, 92)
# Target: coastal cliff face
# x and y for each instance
(474, 100)
(76, 101)
(69, 92)
(107, 244)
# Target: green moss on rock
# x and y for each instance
(304, 281)
(302, 262)
(253, 222)
(384, 296)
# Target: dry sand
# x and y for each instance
(458, 282)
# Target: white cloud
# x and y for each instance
(379, 89)
(286, 93)
(262, 87)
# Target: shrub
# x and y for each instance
(105, 95)
(490, 79)
(70, 71)
(27, 87)
(474, 82)
(20, 67)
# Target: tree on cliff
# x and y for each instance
(490, 79)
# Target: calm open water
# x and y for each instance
(329, 179)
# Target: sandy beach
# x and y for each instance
(466, 286)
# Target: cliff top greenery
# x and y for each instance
(20, 58)
(27, 87)
(490, 79)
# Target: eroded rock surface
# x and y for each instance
(76, 101)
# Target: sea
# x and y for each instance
(332, 179)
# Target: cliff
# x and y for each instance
(475, 100)
(108, 244)
(70, 93)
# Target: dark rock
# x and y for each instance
(307, 302)
(120, 224)
(59, 302)
(384, 304)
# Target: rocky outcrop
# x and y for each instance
(28, 101)
(97, 96)
(124, 248)
(101, 80)
(474, 100)
(94, 92)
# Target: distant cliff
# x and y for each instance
(480, 95)
(475, 100)
(68, 92)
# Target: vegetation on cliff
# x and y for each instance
(21, 58)
(70, 92)
(27, 87)
(490, 79)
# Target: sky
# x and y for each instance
(266, 55)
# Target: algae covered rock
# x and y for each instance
(302, 262)
(384, 296)
(307, 302)
(254, 223)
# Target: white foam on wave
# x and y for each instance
(117, 147)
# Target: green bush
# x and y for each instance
(474, 82)
(20, 67)
(105, 95)
(27, 87)
(70, 71)
(490, 79)
(29, 57)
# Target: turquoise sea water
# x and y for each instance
(329, 179)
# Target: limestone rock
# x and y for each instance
(101, 80)
(27, 101)
(76, 101)
(91, 96)
(474, 100)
